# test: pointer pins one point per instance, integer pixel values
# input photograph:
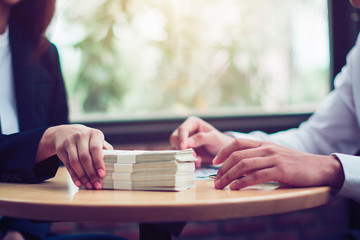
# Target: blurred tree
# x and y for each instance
(172, 56)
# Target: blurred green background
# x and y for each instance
(160, 58)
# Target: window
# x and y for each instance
(172, 58)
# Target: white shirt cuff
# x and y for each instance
(351, 186)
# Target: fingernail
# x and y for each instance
(78, 183)
(101, 172)
(215, 160)
(234, 186)
(197, 164)
(88, 185)
(98, 185)
(217, 184)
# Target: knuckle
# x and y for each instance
(275, 159)
(238, 142)
(95, 148)
(244, 164)
(235, 157)
(66, 143)
(84, 157)
(269, 149)
(96, 132)
(239, 169)
(257, 176)
(200, 137)
(74, 163)
(77, 136)
(220, 172)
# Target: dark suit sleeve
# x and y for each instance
(17, 157)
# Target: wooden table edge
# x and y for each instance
(201, 211)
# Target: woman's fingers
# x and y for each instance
(80, 149)
(64, 158)
(95, 149)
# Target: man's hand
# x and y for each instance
(248, 162)
(80, 149)
(200, 135)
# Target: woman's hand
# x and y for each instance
(80, 149)
(248, 162)
(200, 135)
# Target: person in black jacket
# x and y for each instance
(40, 133)
(35, 135)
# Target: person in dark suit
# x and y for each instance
(35, 135)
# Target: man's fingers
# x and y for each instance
(192, 125)
(174, 139)
(236, 167)
(183, 134)
(247, 160)
(237, 145)
(261, 176)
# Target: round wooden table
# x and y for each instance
(60, 200)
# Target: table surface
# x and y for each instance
(58, 199)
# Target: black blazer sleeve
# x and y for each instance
(17, 156)
(41, 103)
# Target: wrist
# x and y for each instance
(45, 147)
(336, 173)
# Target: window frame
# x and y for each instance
(344, 25)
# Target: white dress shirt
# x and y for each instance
(333, 129)
(8, 112)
